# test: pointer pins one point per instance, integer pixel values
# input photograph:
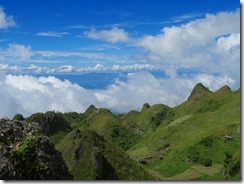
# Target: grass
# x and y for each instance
(181, 143)
(88, 142)
(211, 122)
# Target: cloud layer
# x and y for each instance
(28, 94)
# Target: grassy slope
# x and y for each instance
(88, 142)
(196, 120)
(173, 143)
(143, 120)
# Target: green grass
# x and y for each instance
(88, 142)
(196, 125)
(181, 143)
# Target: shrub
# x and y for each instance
(194, 155)
(18, 117)
(206, 162)
(208, 141)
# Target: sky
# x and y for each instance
(189, 41)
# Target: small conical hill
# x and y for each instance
(223, 92)
(199, 92)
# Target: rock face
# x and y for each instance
(50, 122)
(145, 106)
(25, 154)
(15, 131)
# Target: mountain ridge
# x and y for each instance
(186, 142)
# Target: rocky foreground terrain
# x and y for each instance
(26, 154)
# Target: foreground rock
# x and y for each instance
(25, 154)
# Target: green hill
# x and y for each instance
(53, 124)
(193, 144)
(196, 140)
(90, 157)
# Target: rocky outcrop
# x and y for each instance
(15, 131)
(25, 154)
(51, 122)
(145, 106)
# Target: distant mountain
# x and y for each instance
(196, 140)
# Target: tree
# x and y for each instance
(18, 117)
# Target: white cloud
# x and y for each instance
(27, 94)
(134, 67)
(66, 68)
(6, 21)
(17, 52)
(180, 44)
(88, 55)
(52, 34)
(114, 35)
(34, 69)
(228, 42)
(210, 44)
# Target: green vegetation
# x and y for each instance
(79, 149)
(195, 136)
(18, 117)
(24, 157)
(52, 123)
(232, 166)
(124, 137)
(186, 142)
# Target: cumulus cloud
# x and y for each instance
(16, 52)
(6, 21)
(184, 43)
(28, 94)
(226, 43)
(52, 34)
(210, 44)
(114, 35)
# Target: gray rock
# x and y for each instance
(25, 154)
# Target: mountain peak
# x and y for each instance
(91, 109)
(225, 89)
(145, 106)
(199, 92)
(222, 92)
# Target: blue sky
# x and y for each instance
(188, 41)
(64, 26)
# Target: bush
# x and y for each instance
(206, 162)
(18, 117)
(194, 155)
(208, 141)
(124, 137)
